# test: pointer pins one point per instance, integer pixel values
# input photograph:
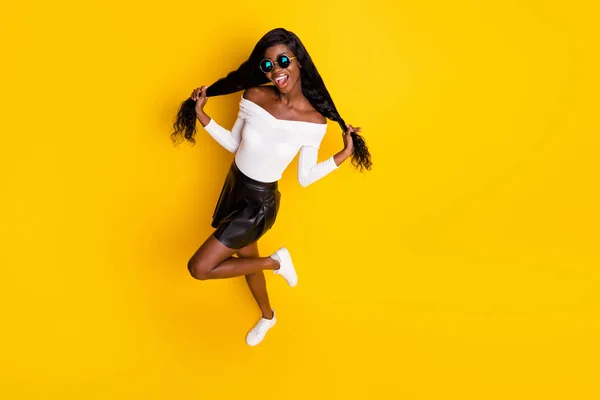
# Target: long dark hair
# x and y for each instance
(249, 75)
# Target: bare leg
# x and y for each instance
(256, 281)
(213, 260)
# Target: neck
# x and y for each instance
(293, 97)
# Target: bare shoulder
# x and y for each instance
(254, 94)
(266, 97)
(317, 117)
(312, 115)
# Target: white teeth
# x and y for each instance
(280, 77)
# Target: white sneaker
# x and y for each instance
(257, 334)
(286, 267)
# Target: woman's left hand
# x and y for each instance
(348, 144)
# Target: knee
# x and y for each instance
(197, 271)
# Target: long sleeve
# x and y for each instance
(230, 140)
(309, 171)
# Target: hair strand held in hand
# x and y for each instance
(249, 75)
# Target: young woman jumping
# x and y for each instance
(274, 123)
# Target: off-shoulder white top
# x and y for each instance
(264, 146)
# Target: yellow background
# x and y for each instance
(463, 266)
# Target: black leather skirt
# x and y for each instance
(246, 209)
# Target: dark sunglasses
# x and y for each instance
(283, 61)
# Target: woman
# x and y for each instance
(274, 123)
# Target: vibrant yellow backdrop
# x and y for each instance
(463, 266)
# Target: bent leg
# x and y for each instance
(213, 260)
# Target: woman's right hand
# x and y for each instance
(199, 96)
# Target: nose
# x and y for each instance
(276, 68)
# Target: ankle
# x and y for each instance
(268, 315)
(275, 264)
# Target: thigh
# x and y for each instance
(250, 250)
(210, 254)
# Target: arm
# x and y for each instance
(309, 171)
(230, 140)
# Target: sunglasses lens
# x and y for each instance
(266, 65)
(283, 61)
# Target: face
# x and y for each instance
(285, 79)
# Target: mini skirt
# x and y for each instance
(246, 209)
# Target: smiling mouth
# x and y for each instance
(282, 80)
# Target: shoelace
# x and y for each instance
(261, 326)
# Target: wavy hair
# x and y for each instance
(249, 75)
